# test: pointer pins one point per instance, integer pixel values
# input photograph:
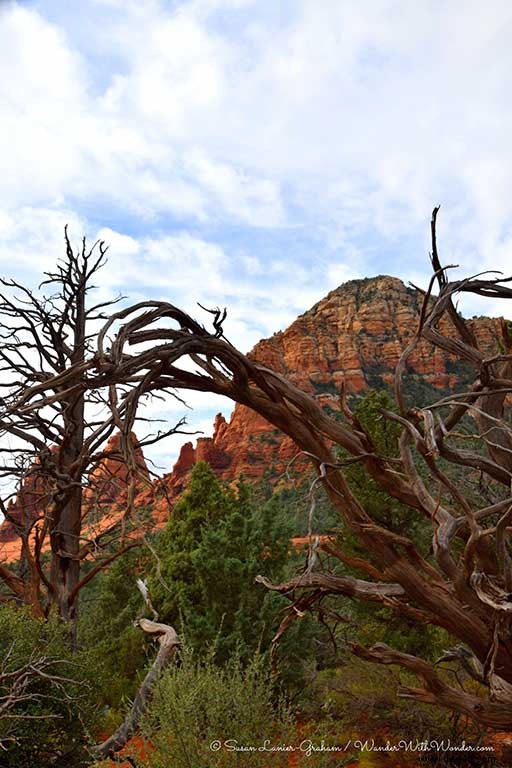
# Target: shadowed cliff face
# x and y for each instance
(355, 334)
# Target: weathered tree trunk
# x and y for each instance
(65, 545)
(66, 527)
(169, 643)
(49, 381)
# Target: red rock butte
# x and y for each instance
(354, 335)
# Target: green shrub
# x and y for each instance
(198, 703)
(50, 723)
(109, 606)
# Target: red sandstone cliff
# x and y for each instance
(105, 493)
(355, 334)
(108, 482)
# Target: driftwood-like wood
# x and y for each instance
(169, 643)
(334, 585)
(435, 691)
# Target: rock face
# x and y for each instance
(104, 495)
(355, 334)
(108, 482)
(30, 503)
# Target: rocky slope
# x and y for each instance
(355, 334)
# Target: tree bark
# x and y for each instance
(169, 643)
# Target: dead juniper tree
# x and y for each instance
(464, 585)
(54, 422)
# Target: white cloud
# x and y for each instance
(255, 200)
(32, 239)
(260, 297)
(226, 121)
(43, 95)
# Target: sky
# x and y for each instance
(255, 154)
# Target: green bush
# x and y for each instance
(51, 723)
(109, 606)
(199, 703)
(214, 545)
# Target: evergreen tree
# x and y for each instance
(213, 546)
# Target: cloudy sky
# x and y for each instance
(255, 153)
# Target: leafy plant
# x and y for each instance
(201, 712)
(47, 693)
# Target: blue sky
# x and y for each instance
(255, 153)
